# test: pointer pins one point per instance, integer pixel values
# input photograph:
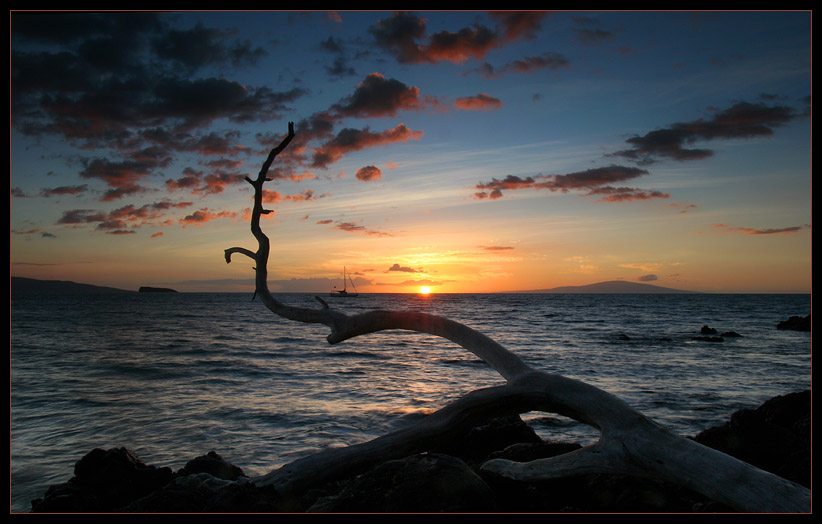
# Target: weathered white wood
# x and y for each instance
(630, 443)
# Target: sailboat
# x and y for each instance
(344, 291)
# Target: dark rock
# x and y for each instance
(423, 483)
(528, 451)
(204, 493)
(496, 435)
(796, 324)
(774, 437)
(243, 498)
(708, 330)
(731, 334)
(594, 493)
(68, 497)
(213, 464)
(106, 481)
(172, 498)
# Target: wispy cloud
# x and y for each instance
(349, 139)
(352, 227)
(403, 269)
(742, 120)
(752, 231)
(593, 180)
(480, 102)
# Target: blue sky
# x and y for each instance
(465, 151)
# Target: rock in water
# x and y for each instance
(796, 324)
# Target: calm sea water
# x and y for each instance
(173, 376)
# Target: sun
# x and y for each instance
(425, 290)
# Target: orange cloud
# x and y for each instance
(480, 102)
(348, 140)
(369, 173)
(204, 215)
(377, 96)
(495, 248)
(115, 222)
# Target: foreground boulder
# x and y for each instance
(426, 482)
(775, 437)
(104, 481)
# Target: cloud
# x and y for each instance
(495, 248)
(549, 60)
(201, 46)
(117, 220)
(404, 36)
(625, 194)
(123, 177)
(594, 180)
(351, 227)
(480, 102)
(751, 231)
(377, 96)
(54, 191)
(198, 183)
(136, 91)
(519, 24)
(742, 120)
(399, 35)
(424, 282)
(683, 207)
(204, 215)
(592, 37)
(272, 197)
(349, 139)
(648, 278)
(369, 173)
(100, 78)
(403, 269)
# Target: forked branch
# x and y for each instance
(630, 443)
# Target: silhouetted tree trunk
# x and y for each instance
(630, 443)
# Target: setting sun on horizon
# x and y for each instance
(435, 152)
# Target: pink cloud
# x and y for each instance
(480, 102)
(369, 173)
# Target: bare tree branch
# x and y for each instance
(630, 443)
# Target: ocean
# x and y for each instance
(175, 375)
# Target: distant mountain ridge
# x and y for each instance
(612, 286)
(28, 286)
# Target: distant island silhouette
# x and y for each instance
(612, 286)
(32, 286)
(21, 286)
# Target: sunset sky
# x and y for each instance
(466, 151)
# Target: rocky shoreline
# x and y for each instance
(775, 437)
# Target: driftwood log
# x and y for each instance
(629, 443)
